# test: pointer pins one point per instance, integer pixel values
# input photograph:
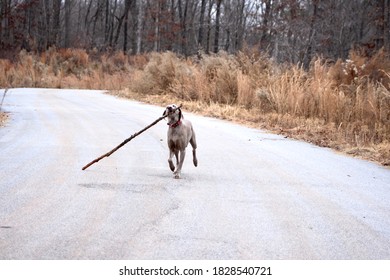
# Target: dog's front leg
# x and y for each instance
(171, 165)
(180, 164)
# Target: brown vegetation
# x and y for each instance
(3, 118)
(344, 105)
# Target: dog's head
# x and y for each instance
(173, 113)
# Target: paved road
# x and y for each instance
(253, 196)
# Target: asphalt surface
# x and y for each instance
(253, 195)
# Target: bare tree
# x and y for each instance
(386, 25)
(67, 27)
(183, 25)
(211, 2)
(289, 30)
(312, 31)
(201, 23)
(240, 25)
(140, 25)
(126, 19)
(217, 26)
(55, 38)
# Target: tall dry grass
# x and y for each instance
(70, 68)
(344, 105)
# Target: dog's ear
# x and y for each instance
(180, 114)
(165, 112)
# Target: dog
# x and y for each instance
(180, 133)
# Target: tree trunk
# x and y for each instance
(112, 23)
(183, 26)
(240, 28)
(157, 28)
(229, 21)
(311, 41)
(107, 23)
(217, 19)
(201, 22)
(56, 22)
(386, 25)
(211, 2)
(264, 39)
(128, 4)
(68, 10)
(120, 21)
(140, 25)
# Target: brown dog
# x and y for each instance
(180, 133)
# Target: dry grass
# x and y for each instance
(3, 118)
(343, 105)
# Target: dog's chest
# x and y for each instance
(177, 139)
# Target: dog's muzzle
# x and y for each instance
(171, 109)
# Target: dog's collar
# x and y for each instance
(175, 124)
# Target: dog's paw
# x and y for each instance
(176, 174)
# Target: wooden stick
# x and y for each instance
(125, 141)
(5, 92)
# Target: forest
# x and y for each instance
(308, 69)
(288, 30)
